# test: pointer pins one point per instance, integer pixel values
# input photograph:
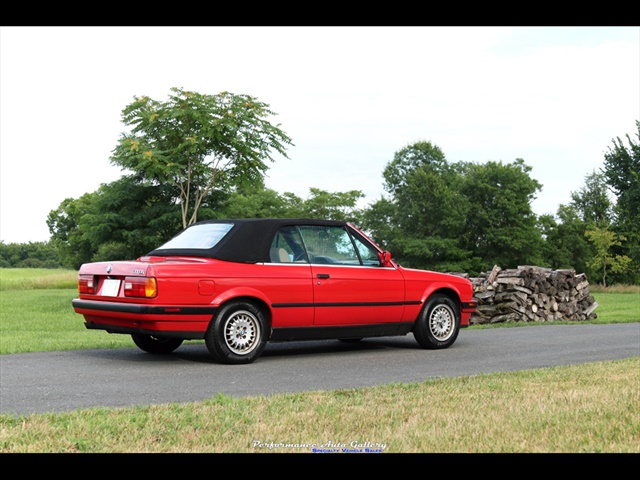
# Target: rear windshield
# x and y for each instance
(203, 236)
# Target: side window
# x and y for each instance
(286, 247)
(329, 245)
(368, 254)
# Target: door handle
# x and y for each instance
(322, 275)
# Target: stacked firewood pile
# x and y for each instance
(531, 294)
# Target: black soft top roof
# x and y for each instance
(249, 240)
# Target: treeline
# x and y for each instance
(465, 219)
(434, 214)
(29, 255)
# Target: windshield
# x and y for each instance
(202, 236)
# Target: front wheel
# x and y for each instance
(152, 344)
(438, 324)
(237, 334)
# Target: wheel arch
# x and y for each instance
(443, 290)
(259, 303)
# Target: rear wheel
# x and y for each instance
(153, 344)
(237, 334)
(438, 324)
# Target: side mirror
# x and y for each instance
(385, 258)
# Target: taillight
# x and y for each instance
(87, 284)
(145, 287)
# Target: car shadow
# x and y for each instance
(312, 347)
(197, 351)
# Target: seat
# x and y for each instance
(279, 255)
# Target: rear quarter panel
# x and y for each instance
(286, 290)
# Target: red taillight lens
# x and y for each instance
(145, 287)
(87, 284)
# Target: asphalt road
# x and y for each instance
(65, 381)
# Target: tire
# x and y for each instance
(438, 324)
(160, 345)
(237, 334)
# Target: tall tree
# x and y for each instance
(592, 202)
(197, 143)
(423, 217)
(622, 171)
(500, 228)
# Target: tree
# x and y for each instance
(129, 218)
(259, 203)
(592, 201)
(126, 219)
(423, 218)
(197, 143)
(120, 220)
(500, 227)
(377, 220)
(603, 240)
(333, 206)
(622, 172)
(67, 233)
(565, 244)
(28, 255)
(460, 217)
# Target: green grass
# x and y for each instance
(37, 278)
(592, 408)
(44, 320)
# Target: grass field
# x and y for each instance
(589, 408)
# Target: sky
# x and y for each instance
(348, 97)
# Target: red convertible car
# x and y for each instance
(240, 283)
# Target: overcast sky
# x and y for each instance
(349, 97)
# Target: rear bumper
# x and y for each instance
(180, 322)
(95, 306)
